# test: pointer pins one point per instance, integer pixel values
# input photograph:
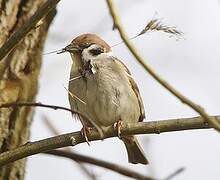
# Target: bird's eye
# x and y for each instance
(96, 51)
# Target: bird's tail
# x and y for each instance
(134, 150)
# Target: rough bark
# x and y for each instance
(19, 73)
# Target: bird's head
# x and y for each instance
(87, 46)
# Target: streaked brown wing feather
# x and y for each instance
(141, 105)
(135, 89)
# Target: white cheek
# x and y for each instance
(86, 56)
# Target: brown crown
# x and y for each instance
(84, 39)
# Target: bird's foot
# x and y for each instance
(118, 125)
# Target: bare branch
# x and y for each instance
(30, 24)
(111, 166)
(72, 139)
(151, 71)
(86, 159)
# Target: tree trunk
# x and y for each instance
(19, 73)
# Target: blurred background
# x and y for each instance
(191, 64)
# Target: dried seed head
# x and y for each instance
(157, 25)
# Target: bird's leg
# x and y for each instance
(85, 131)
(118, 125)
(88, 126)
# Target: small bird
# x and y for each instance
(102, 90)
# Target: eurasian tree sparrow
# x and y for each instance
(105, 92)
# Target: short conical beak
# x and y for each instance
(69, 48)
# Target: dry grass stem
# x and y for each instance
(74, 96)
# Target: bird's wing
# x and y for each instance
(135, 89)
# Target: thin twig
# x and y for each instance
(97, 162)
(151, 71)
(175, 173)
(21, 104)
(24, 29)
(72, 139)
(33, 104)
